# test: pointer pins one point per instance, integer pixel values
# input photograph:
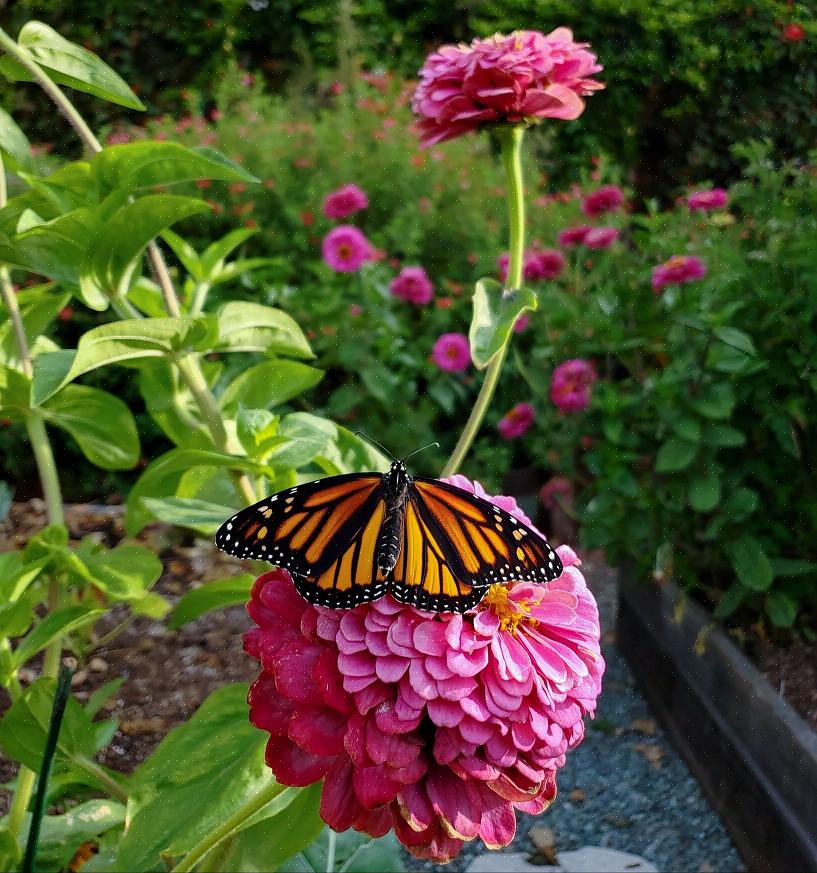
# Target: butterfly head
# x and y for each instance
(397, 479)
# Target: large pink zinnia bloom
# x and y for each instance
(439, 726)
(678, 270)
(570, 385)
(516, 421)
(345, 249)
(452, 352)
(519, 78)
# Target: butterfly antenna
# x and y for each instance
(359, 433)
(417, 451)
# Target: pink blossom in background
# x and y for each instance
(452, 352)
(521, 323)
(600, 237)
(118, 137)
(539, 264)
(355, 310)
(522, 77)
(439, 727)
(412, 284)
(608, 198)
(556, 489)
(516, 421)
(570, 385)
(676, 271)
(573, 236)
(345, 249)
(706, 201)
(344, 202)
(793, 32)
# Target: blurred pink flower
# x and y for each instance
(118, 137)
(793, 32)
(677, 270)
(521, 323)
(570, 385)
(516, 421)
(345, 249)
(452, 352)
(412, 284)
(355, 310)
(553, 489)
(706, 201)
(345, 202)
(600, 237)
(539, 264)
(438, 726)
(608, 198)
(522, 77)
(573, 236)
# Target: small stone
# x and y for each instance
(618, 821)
(507, 862)
(544, 841)
(577, 796)
(591, 859)
(651, 752)
(98, 665)
(137, 726)
(646, 726)
(78, 678)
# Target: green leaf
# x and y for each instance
(704, 492)
(16, 576)
(50, 372)
(14, 143)
(171, 405)
(354, 853)
(730, 600)
(203, 771)
(68, 64)
(15, 391)
(100, 697)
(781, 609)
(268, 384)
(62, 835)
(675, 454)
(750, 563)
(740, 504)
(101, 423)
(232, 591)
(55, 624)
(737, 339)
(352, 454)
(258, 432)
(126, 573)
(39, 307)
(723, 436)
(199, 515)
(495, 312)
(791, 567)
(251, 327)
(10, 854)
(136, 165)
(716, 402)
(120, 242)
(308, 436)
(216, 252)
(688, 428)
(185, 253)
(24, 727)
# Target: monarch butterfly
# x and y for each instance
(350, 539)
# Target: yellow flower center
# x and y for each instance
(511, 613)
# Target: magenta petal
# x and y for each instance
(394, 749)
(497, 827)
(339, 804)
(293, 671)
(467, 664)
(475, 731)
(390, 668)
(318, 730)
(269, 710)
(429, 637)
(329, 682)
(415, 807)
(421, 682)
(373, 787)
(456, 802)
(445, 713)
(292, 765)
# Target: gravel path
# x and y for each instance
(625, 787)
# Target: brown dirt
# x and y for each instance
(167, 673)
(793, 672)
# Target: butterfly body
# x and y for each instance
(350, 539)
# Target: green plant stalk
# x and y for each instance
(227, 828)
(331, 851)
(512, 161)
(98, 772)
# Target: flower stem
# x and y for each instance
(214, 837)
(512, 161)
(331, 850)
(92, 768)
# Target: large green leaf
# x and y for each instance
(354, 853)
(203, 771)
(675, 454)
(116, 248)
(68, 64)
(145, 164)
(62, 835)
(55, 624)
(232, 591)
(268, 384)
(14, 143)
(308, 436)
(101, 423)
(171, 405)
(199, 515)
(213, 256)
(251, 327)
(348, 453)
(750, 563)
(496, 310)
(716, 402)
(126, 573)
(39, 307)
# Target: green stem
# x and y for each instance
(512, 161)
(19, 805)
(224, 830)
(44, 457)
(331, 850)
(92, 768)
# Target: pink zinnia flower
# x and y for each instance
(706, 201)
(570, 385)
(539, 264)
(437, 726)
(677, 270)
(573, 236)
(600, 237)
(452, 352)
(555, 488)
(521, 323)
(522, 77)
(345, 202)
(793, 32)
(516, 421)
(346, 249)
(412, 284)
(608, 198)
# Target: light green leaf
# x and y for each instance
(199, 515)
(268, 384)
(781, 609)
(117, 246)
(232, 591)
(737, 339)
(14, 143)
(217, 251)
(354, 853)
(144, 164)
(50, 372)
(62, 835)
(251, 327)
(309, 436)
(55, 624)
(15, 391)
(98, 699)
(352, 454)
(185, 253)
(101, 423)
(172, 406)
(716, 402)
(39, 307)
(68, 64)
(126, 573)
(704, 492)
(495, 312)
(750, 563)
(675, 454)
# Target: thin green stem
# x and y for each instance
(26, 780)
(98, 772)
(331, 850)
(44, 457)
(512, 161)
(253, 805)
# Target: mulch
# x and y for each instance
(792, 670)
